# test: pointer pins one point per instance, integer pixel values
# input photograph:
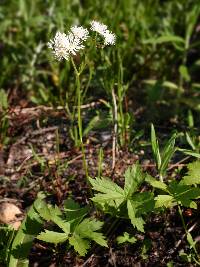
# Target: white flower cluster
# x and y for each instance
(80, 32)
(102, 29)
(66, 45)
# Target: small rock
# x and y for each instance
(145, 162)
(10, 214)
(142, 152)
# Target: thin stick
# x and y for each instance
(19, 110)
(178, 163)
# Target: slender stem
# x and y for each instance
(120, 100)
(100, 162)
(182, 219)
(121, 114)
(161, 178)
(114, 148)
(185, 228)
(78, 94)
(78, 91)
(79, 110)
(115, 221)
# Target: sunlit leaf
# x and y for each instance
(164, 201)
(52, 237)
(137, 222)
(134, 177)
(80, 245)
(193, 174)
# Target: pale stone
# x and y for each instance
(10, 214)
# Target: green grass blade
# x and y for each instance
(29, 229)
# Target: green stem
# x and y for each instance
(115, 221)
(78, 91)
(185, 228)
(182, 219)
(100, 162)
(161, 178)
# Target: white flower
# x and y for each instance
(98, 27)
(110, 38)
(59, 47)
(80, 32)
(102, 29)
(74, 44)
(64, 46)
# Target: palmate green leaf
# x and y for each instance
(52, 237)
(71, 205)
(73, 212)
(54, 214)
(99, 238)
(80, 245)
(193, 174)
(110, 206)
(107, 199)
(137, 222)
(126, 238)
(184, 194)
(164, 201)
(133, 179)
(143, 202)
(77, 231)
(114, 195)
(109, 190)
(41, 207)
(106, 186)
(117, 201)
(84, 232)
(64, 225)
(87, 229)
(88, 225)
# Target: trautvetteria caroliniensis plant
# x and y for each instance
(124, 202)
(67, 46)
(77, 226)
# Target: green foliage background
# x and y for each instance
(157, 44)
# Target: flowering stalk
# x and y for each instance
(66, 46)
